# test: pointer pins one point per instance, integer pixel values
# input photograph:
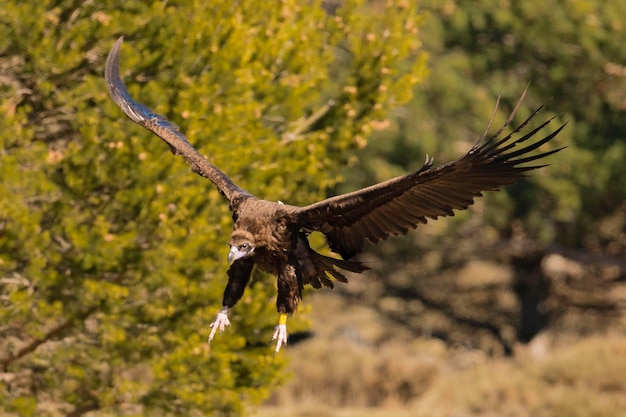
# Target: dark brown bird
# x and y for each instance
(273, 236)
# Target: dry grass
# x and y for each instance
(358, 365)
(586, 378)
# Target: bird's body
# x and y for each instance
(274, 236)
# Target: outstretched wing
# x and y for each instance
(400, 204)
(165, 130)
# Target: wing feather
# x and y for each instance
(164, 129)
(396, 206)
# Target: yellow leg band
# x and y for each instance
(282, 318)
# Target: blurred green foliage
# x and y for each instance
(112, 254)
(572, 54)
(561, 233)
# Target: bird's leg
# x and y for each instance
(280, 332)
(220, 323)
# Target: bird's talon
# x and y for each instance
(280, 336)
(220, 323)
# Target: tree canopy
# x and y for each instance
(112, 254)
(571, 213)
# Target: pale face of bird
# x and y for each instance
(241, 245)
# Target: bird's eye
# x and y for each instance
(244, 246)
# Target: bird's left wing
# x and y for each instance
(165, 130)
(400, 204)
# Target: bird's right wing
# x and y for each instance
(165, 130)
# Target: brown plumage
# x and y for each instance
(273, 236)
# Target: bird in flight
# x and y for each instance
(274, 236)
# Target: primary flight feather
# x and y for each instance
(273, 236)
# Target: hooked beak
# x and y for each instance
(235, 254)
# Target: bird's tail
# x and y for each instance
(322, 268)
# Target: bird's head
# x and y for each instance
(242, 244)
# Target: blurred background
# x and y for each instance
(113, 255)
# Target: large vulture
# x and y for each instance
(273, 236)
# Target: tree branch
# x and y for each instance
(51, 334)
